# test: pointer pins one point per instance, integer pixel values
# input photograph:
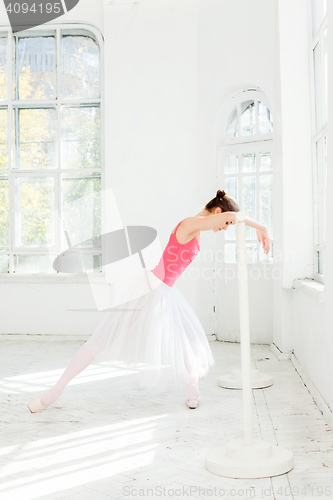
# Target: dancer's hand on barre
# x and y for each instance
(264, 238)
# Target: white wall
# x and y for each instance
(313, 321)
(303, 323)
(38, 307)
(235, 52)
(293, 203)
(168, 67)
(150, 82)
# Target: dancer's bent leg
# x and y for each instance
(81, 360)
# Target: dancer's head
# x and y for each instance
(222, 202)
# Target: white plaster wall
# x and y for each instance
(313, 322)
(168, 67)
(293, 203)
(150, 110)
(235, 51)
(309, 326)
(43, 308)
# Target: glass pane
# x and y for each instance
(37, 138)
(266, 161)
(248, 120)
(317, 78)
(81, 137)
(231, 164)
(315, 16)
(325, 76)
(36, 68)
(4, 213)
(81, 201)
(324, 7)
(266, 202)
(80, 67)
(231, 187)
(251, 253)
(320, 262)
(320, 189)
(34, 212)
(230, 253)
(265, 119)
(13, 145)
(249, 203)
(232, 126)
(3, 138)
(263, 258)
(33, 264)
(3, 69)
(324, 189)
(249, 163)
(80, 263)
(4, 263)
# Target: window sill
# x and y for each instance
(312, 288)
(50, 278)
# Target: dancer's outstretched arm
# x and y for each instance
(203, 223)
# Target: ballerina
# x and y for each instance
(156, 331)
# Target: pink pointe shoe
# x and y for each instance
(36, 405)
(192, 403)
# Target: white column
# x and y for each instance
(293, 205)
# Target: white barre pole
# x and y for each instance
(246, 378)
(244, 328)
(248, 457)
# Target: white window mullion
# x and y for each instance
(46, 103)
(322, 82)
(256, 107)
(318, 142)
(58, 178)
(258, 174)
(10, 143)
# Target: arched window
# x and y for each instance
(50, 145)
(245, 167)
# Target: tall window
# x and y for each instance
(245, 170)
(50, 148)
(318, 56)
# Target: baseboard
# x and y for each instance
(211, 338)
(281, 356)
(317, 397)
(43, 337)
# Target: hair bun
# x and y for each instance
(220, 193)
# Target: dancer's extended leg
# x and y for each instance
(81, 360)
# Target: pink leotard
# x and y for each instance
(175, 258)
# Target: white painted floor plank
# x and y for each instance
(105, 437)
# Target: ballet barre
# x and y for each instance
(248, 457)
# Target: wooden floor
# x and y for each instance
(106, 438)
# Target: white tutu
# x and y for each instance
(155, 332)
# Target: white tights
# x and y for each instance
(81, 360)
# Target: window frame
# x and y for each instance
(12, 173)
(254, 143)
(317, 135)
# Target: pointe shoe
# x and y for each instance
(192, 403)
(35, 405)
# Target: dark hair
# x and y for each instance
(223, 200)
